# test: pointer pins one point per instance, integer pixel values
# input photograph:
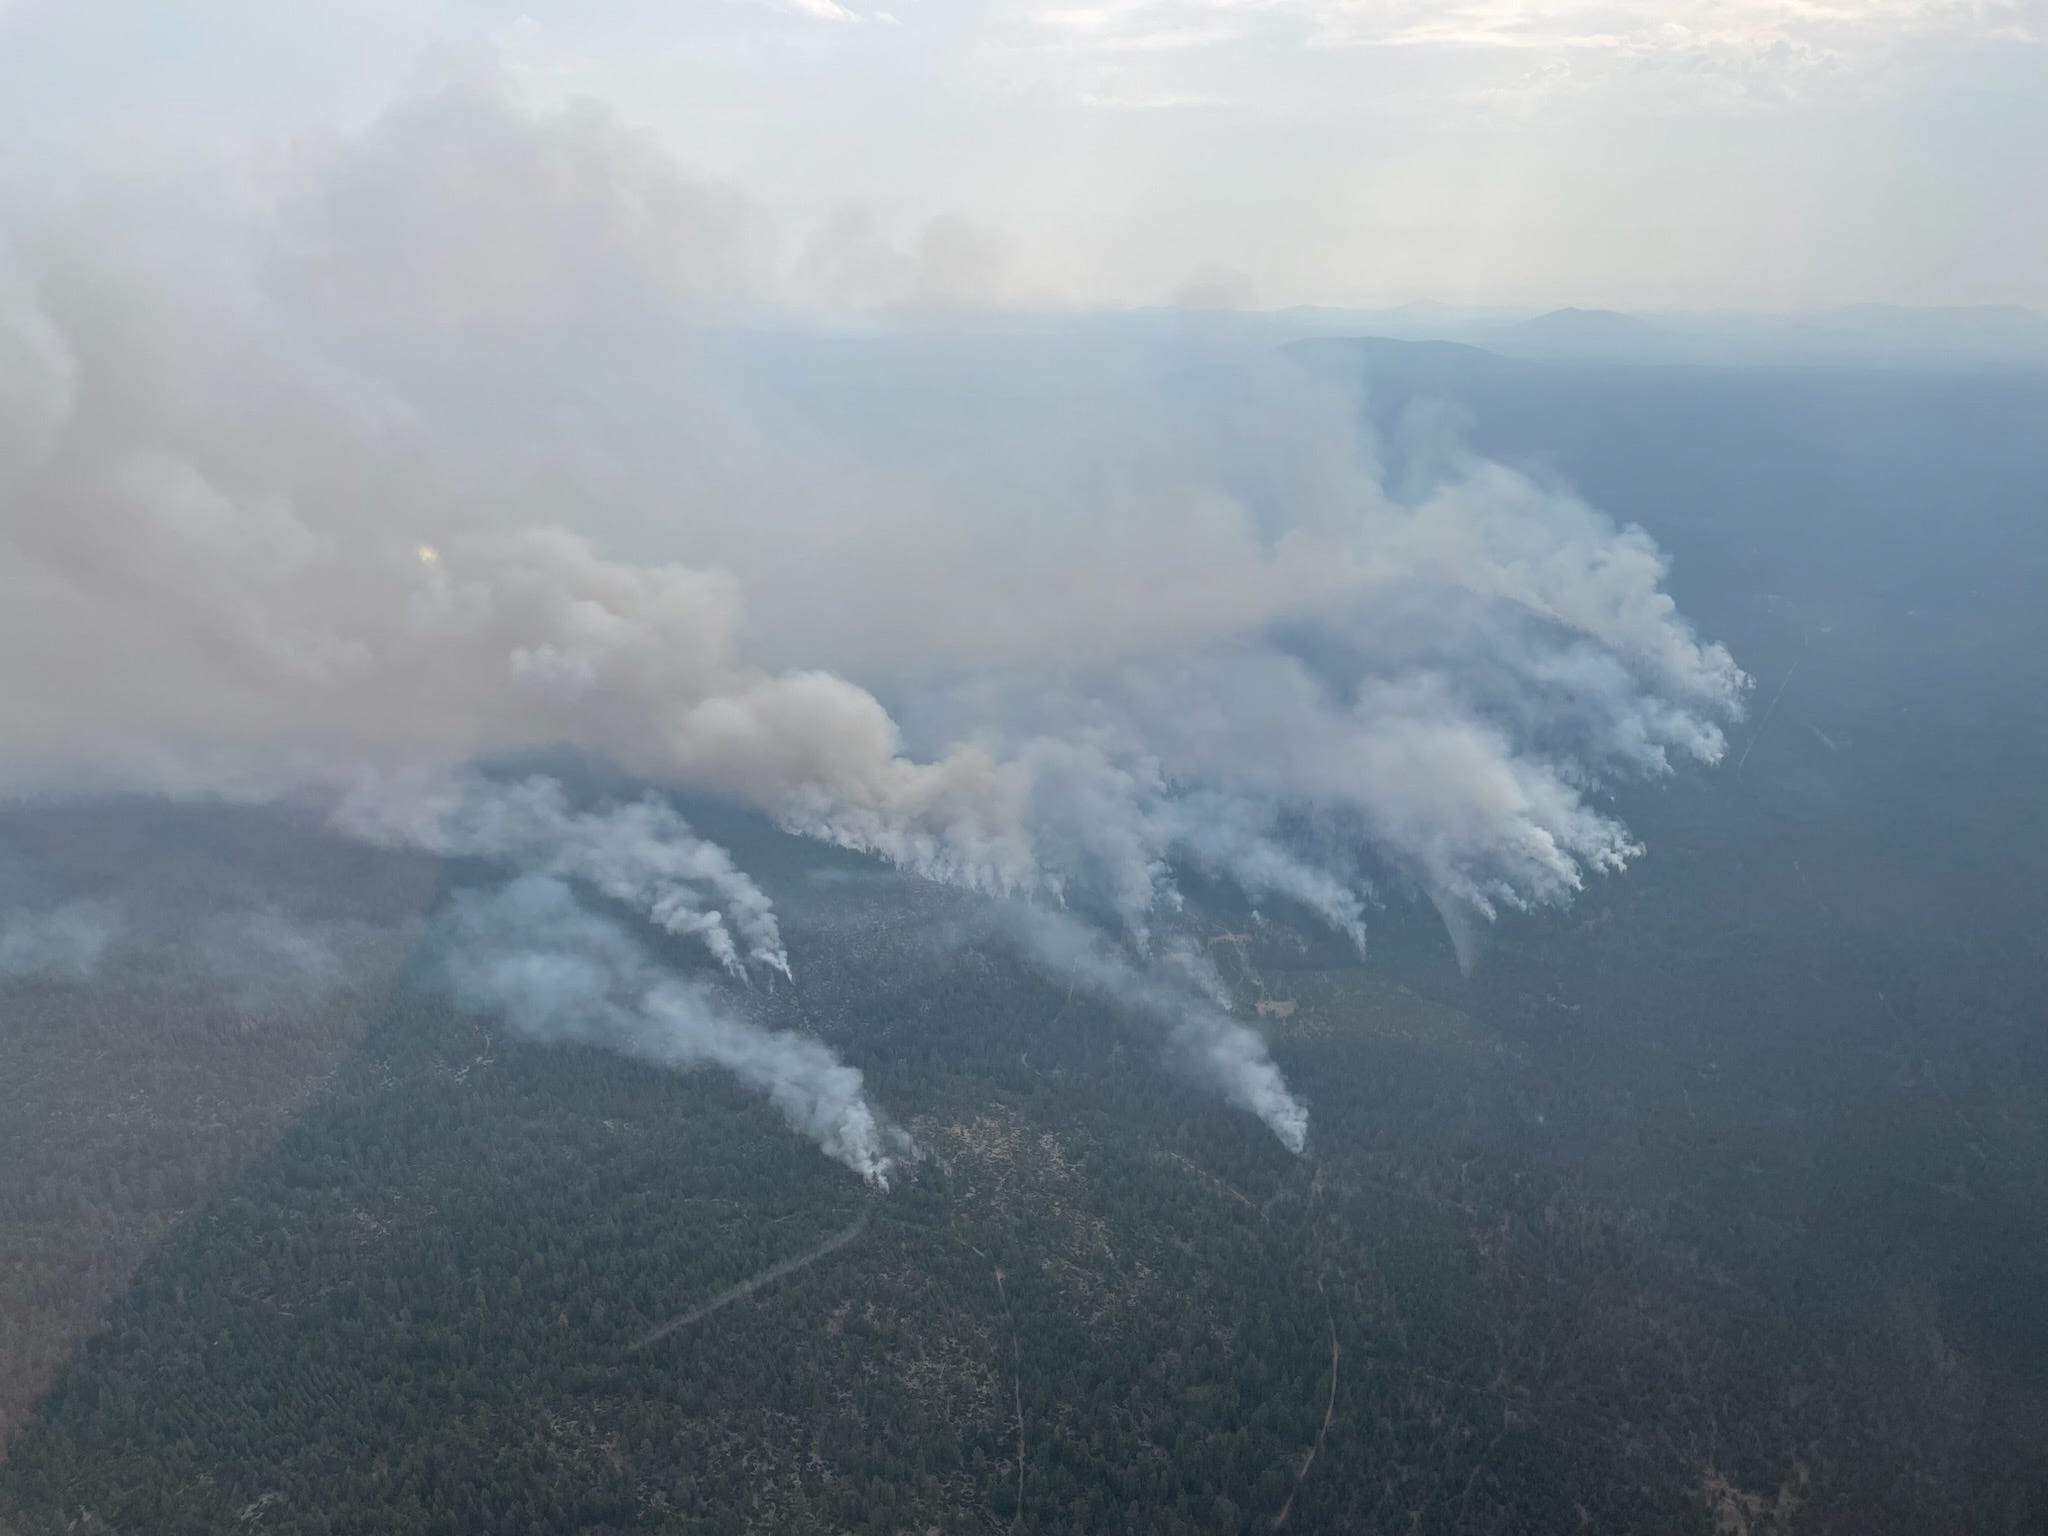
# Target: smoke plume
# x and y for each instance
(441, 455)
(1231, 1057)
(556, 971)
(643, 854)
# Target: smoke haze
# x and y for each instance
(474, 434)
(65, 941)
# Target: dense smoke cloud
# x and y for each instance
(294, 514)
(555, 971)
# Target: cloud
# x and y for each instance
(1753, 27)
(819, 10)
(1693, 26)
(1746, 53)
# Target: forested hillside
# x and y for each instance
(1482, 1301)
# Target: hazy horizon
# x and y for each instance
(1769, 154)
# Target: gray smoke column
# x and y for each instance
(642, 853)
(556, 971)
(1229, 1056)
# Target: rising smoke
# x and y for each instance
(288, 510)
(1228, 1056)
(643, 854)
(556, 971)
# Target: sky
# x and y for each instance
(1692, 154)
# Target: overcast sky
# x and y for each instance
(1693, 153)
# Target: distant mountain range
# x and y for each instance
(1868, 335)
(1584, 331)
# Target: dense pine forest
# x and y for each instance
(1542, 1267)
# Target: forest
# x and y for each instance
(1716, 1202)
(1542, 1268)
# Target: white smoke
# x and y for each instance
(556, 971)
(643, 854)
(1230, 1056)
(297, 498)
(237, 572)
